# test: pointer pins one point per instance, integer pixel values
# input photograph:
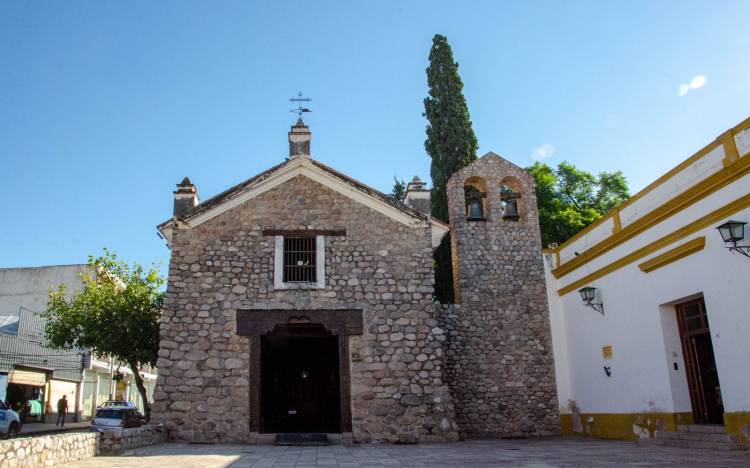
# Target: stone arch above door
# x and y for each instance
(342, 323)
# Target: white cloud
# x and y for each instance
(543, 152)
(697, 82)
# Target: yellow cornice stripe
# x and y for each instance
(700, 223)
(645, 191)
(707, 186)
(670, 256)
(616, 222)
(650, 187)
(731, 154)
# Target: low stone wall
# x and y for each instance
(55, 449)
(48, 450)
(115, 442)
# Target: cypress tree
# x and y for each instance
(451, 142)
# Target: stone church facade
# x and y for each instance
(301, 300)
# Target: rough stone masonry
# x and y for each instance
(500, 365)
(378, 265)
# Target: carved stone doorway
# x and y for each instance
(299, 380)
(299, 341)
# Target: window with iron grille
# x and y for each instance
(299, 260)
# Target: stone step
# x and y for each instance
(302, 438)
(695, 444)
(697, 436)
(650, 441)
(702, 428)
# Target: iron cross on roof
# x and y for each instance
(299, 100)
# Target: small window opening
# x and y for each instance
(299, 260)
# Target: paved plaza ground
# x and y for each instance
(30, 429)
(486, 453)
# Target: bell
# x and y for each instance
(511, 209)
(475, 209)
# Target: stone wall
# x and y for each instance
(116, 442)
(381, 267)
(48, 450)
(500, 365)
(55, 449)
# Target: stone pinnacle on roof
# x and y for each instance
(299, 140)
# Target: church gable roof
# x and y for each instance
(287, 170)
(492, 159)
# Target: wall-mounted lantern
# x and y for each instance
(588, 294)
(733, 232)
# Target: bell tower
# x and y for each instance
(499, 347)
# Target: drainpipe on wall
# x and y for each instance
(95, 403)
(111, 378)
(79, 391)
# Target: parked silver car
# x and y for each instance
(119, 404)
(116, 418)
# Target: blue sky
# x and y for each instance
(104, 106)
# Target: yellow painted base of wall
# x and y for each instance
(623, 426)
(738, 424)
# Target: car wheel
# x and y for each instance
(13, 430)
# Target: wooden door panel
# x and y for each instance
(700, 364)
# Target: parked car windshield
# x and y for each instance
(109, 414)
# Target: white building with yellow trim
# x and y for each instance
(666, 338)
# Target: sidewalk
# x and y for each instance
(39, 428)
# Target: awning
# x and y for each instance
(28, 377)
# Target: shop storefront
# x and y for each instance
(26, 392)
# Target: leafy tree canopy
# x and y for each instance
(451, 142)
(115, 314)
(570, 199)
(399, 190)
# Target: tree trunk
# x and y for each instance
(141, 389)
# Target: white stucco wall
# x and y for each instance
(29, 286)
(559, 340)
(640, 320)
(639, 323)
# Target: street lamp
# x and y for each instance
(733, 232)
(588, 294)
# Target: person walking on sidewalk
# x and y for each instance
(62, 408)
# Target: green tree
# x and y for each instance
(451, 142)
(115, 314)
(569, 199)
(399, 190)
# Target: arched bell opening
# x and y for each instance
(475, 194)
(510, 198)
